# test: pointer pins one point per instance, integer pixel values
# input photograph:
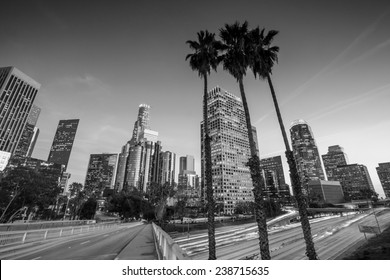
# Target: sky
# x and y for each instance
(98, 60)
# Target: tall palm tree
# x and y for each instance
(235, 60)
(206, 57)
(263, 57)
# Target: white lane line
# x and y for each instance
(37, 258)
(106, 235)
(85, 242)
(69, 247)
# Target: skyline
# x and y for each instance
(99, 64)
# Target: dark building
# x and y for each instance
(29, 136)
(332, 159)
(326, 191)
(273, 174)
(17, 95)
(63, 142)
(100, 173)
(355, 180)
(383, 171)
(306, 152)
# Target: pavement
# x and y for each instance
(142, 247)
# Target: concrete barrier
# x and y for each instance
(167, 248)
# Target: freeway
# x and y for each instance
(332, 235)
(103, 245)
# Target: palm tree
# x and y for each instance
(236, 61)
(206, 57)
(263, 58)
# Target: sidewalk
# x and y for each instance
(141, 248)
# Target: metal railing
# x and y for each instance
(25, 236)
(167, 248)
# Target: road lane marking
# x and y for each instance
(37, 258)
(85, 242)
(106, 235)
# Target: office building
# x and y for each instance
(321, 191)
(273, 174)
(354, 179)
(17, 94)
(29, 135)
(186, 163)
(230, 150)
(168, 165)
(383, 171)
(101, 173)
(63, 142)
(306, 153)
(332, 159)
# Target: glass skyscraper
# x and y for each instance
(332, 159)
(230, 150)
(306, 152)
(63, 142)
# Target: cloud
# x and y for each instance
(342, 105)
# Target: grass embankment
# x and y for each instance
(377, 248)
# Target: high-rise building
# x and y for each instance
(332, 159)
(306, 152)
(326, 191)
(121, 169)
(383, 171)
(101, 173)
(27, 140)
(230, 150)
(186, 163)
(275, 184)
(354, 179)
(63, 142)
(168, 165)
(142, 122)
(17, 95)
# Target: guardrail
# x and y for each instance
(167, 248)
(21, 237)
(30, 225)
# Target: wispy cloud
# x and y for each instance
(358, 40)
(345, 104)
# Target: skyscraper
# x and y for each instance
(383, 171)
(332, 159)
(17, 95)
(63, 142)
(101, 173)
(306, 152)
(186, 163)
(354, 179)
(229, 149)
(168, 166)
(27, 140)
(272, 169)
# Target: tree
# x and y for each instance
(236, 61)
(263, 56)
(204, 59)
(158, 195)
(25, 187)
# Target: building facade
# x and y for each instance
(230, 150)
(101, 173)
(29, 135)
(332, 159)
(63, 142)
(17, 94)
(306, 152)
(273, 174)
(325, 191)
(383, 171)
(355, 180)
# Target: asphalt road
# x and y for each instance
(103, 245)
(332, 236)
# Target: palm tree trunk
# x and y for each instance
(209, 178)
(295, 182)
(258, 183)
